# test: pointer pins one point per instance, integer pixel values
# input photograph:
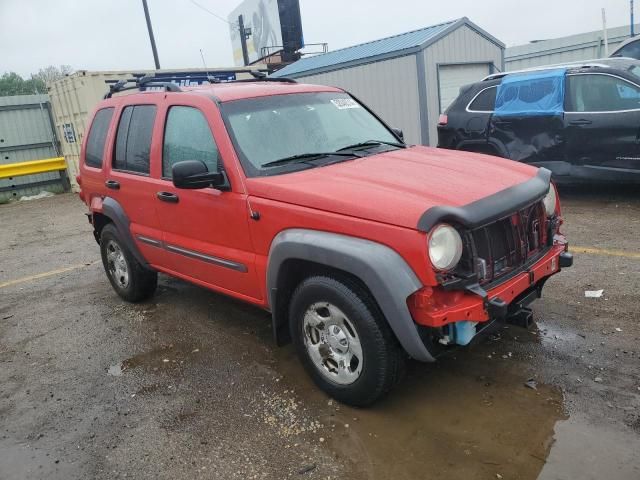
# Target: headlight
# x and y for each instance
(445, 247)
(550, 201)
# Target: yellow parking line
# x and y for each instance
(605, 252)
(45, 274)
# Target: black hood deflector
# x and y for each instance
(490, 209)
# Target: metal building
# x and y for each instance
(574, 48)
(27, 134)
(408, 79)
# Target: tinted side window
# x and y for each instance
(187, 136)
(120, 159)
(485, 102)
(601, 93)
(97, 137)
(133, 141)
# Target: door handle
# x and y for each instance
(112, 184)
(580, 122)
(168, 197)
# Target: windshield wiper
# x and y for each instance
(300, 158)
(372, 143)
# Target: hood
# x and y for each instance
(396, 187)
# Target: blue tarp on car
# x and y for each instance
(531, 94)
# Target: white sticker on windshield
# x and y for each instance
(344, 103)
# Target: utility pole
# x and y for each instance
(605, 33)
(151, 37)
(633, 22)
(244, 35)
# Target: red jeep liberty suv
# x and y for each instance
(300, 200)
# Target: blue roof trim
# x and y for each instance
(390, 47)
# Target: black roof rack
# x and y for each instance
(259, 76)
(141, 81)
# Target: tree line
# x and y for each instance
(12, 83)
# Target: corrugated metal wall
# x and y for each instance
(26, 133)
(388, 87)
(462, 46)
(574, 48)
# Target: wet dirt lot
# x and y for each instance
(191, 385)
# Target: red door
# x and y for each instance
(205, 232)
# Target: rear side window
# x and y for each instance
(133, 140)
(485, 101)
(187, 136)
(97, 137)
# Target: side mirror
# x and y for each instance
(194, 175)
(399, 133)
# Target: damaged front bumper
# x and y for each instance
(461, 313)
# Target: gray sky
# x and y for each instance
(111, 34)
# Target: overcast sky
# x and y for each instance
(111, 34)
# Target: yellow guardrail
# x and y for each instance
(32, 167)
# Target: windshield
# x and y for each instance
(267, 130)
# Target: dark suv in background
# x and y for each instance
(591, 133)
(628, 49)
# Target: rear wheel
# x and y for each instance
(344, 341)
(127, 276)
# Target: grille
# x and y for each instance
(499, 248)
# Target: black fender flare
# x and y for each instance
(385, 273)
(491, 208)
(114, 211)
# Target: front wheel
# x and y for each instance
(344, 340)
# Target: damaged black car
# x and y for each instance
(581, 121)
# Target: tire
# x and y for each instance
(330, 355)
(127, 276)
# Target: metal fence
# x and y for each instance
(27, 134)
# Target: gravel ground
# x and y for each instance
(190, 384)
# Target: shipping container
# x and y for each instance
(74, 97)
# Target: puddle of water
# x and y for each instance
(551, 334)
(162, 358)
(466, 417)
(587, 452)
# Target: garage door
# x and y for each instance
(452, 77)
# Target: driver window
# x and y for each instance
(602, 93)
(187, 136)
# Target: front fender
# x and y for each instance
(385, 273)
